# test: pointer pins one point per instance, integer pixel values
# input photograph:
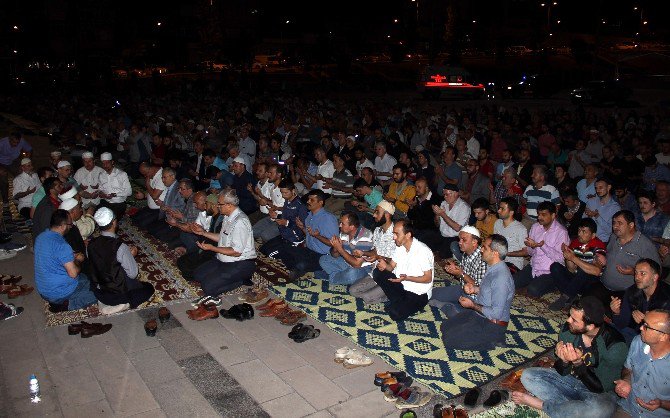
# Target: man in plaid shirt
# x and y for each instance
(471, 270)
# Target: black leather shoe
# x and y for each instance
(471, 397)
(496, 397)
(239, 312)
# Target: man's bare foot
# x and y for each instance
(180, 251)
(521, 398)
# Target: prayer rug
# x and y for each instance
(157, 265)
(414, 345)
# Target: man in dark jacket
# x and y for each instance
(590, 355)
(421, 208)
(648, 293)
(114, 269)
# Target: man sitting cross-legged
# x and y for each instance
(235, 260)
(471, 270)
(407, 277)
(383, 245)
(186, 241)
(482, 323)
(114, 269)
(590, 355)
(210, 220)
(341, 266)
(582, 268)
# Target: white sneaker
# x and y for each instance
(111, 310)
(357, 359)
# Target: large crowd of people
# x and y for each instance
(369, 195)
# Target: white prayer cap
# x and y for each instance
(25, 161)
(69, 194)
(103, 216)
(87, 154)
(469, 229)
(387, 206)
(68, 204)
(55, 154)
(106, 156)
(63, 163)
(240, 160)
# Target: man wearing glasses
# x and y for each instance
(590, 355)
(643, 387)
(235, 260)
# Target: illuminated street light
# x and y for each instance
(16, 27)
(645, 22)
(635, 8)
(395, 20)
(288, 21)
(16, 52)
(474, 21)
(551, 34)
(159, 23)
(558, 22)
(388, 36)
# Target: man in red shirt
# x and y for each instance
(584, 261)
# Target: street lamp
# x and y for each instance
(159, 23)
(549, 5)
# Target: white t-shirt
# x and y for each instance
(414, 262)
(22, 183)
(266, 191)
(515, 234)
(204, 220)
(325, 170)
(156, 183)
(384, 165)
(459, 213)
(663, 159)
(361, 165)
(90, 179)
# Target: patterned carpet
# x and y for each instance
(414, 345)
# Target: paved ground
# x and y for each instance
(210, 368)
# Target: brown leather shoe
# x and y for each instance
(286, 312)
(22, 290)
(7, 279)
(89, 330)
(255, 296)
(269, 304)
(293, 318)
(205, 312)
(276, 309)
(192, 312)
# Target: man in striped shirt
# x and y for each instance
(539, 192)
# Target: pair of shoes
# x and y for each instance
(275, 309)
(561, 303)
(87, 330)
(416, 399)
(380, 377)
(352, 358)
(203, 312)
(291, 316)
(206, 300)
(59, 307)
(21, 290)
(451, 411)
(471, 397)
(496, 397)
(393, 380)
(398, 391)
(9, 311)
(9, 279)
(303, 333)
(240, 312)
(254, 296)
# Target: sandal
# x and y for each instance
(308, 332)
(10, 311)
(357, 359)
(294, 331)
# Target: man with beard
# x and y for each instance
(571, 212)
(187, 240)
(383, 245)
(25, 185)
(47, 206)
(524, 168)
(452, 215)
(449, 172)
(539, 192)
(504, 164)
(626, 199)
(421, 208)
(114, 186)
(647, 294)
(601, 208)
(241, 181)
(209, 220)
(400, 192)
(88, 178)
(591, 355)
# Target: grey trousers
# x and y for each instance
(368, 290)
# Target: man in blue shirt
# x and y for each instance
(483, 324)
(58, 269)
(601, 208)
(643, 387)
(650, 220)
(290, 235)
(319, 227)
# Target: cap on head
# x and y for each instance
(387, 206)
(103, 217)
(469, 229)
(25, 161)
(63, 163)
(68, 204)
(68, 194)
(87, 154)
(240, 160)
(106, 156)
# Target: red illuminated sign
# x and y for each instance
(438, 78)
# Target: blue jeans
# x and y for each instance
(566, 396)
(340, 272)
(81, 297)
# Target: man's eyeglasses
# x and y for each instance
(647, 327)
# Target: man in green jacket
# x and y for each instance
(590, 356)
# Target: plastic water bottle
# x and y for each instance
(34, 389)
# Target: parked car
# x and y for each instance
(601, 93)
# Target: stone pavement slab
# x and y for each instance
(370, 405)
(316, 388)
(291, 405)
(261, 383)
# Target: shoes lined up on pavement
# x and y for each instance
(397, 388)
(351, 358)
(301, 333)
(87, 330)
(254, 295)
(449, 411)
(203, 311)
(281, 311)
(240, 312)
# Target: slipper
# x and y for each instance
(496, 397)
(308, 332)
(471, 397)
(294, 331)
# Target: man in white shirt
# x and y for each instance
(362, 161)
(114, 186)
(235, 260)
(247, 145)
(383, 164)
(473, 143)
(514, 232)
(88, 178)
(270, 201)
(155, 192)
(452, 215)
(407, 277)
(25, 185)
